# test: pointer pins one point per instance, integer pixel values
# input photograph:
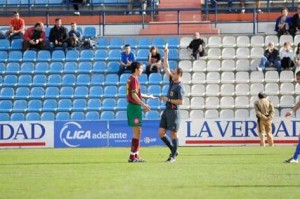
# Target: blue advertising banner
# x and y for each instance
(102, 134)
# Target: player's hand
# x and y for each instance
(151, 97)
(146, 107)
(163, 99)
(288, 114)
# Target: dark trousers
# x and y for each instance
(154, 70)
(27, 46)
(286, 63)
(76, 2)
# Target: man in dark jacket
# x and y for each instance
(58, 35)
(270, 58)
(295, 29)
(197, 45)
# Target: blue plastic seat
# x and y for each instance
(154, 104)
(41, 3)
(94, 105)
(4, 117)
(173, 42)
(152, 115)
(44, 56)
(2, 68)
(5, 106)
(131, 41)
(173, 54)
(113, 67)
(62, 116)
(15, 56)
(50, 105)
(10, 80)
(164, 91)
(86, 55)
(72, 55)
(122, 91)
(3, 56)
(114, 55)
(155, 78)
(66, 92)
(20, 106)
(39, 80)
(37, 93)
(12, 68)
(107, 115)
(79, 105)
(81, 92)
(99, 67)
(144, 42)
(100, 55)
(14, 3)
(111, 79)
(16, 44)
(116, 43)
(143, 79)
(47, 116)
(77, 116)
(41, 68)
(159, 42)
(22, 93)
(64, 105)
(70, 67)
(34, 105)
(29, 56)
(97, 79)
(92, 115)
(32, 117)
(110, 91)
(51, 93)
(56, 68)
(96, 92)
(124, 78)
(122, 104)
(109, 104)
(58, 55)
(17, 117)
(68, 80)
(27, 68)
(25, 80)
(121, 115)
(142, 55)
(83, 80)
(4, 44)
(155, 90)
(47, 31)
(54, 80)
(89, 32)
(55, 2)
(7, 93)
(84, 67)
(102, 43)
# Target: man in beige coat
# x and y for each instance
(265, 114)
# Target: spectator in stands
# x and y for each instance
(270, 58)
(127, 57)
(265, 114)
(197, 45)
(131, 4)
(16, 27)
(283, 23)
(74, 39)
(297, 57)
(34, 37)
(295, 28)
(213, 4)
(287, 56)
(58, 35)
(257, 5)
(76, 6)
(154, 61)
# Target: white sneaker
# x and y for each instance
(259, 68)
(243, 10)
(291, 160)
(77, 13)
(259, 11)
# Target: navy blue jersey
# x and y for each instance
(175, 92)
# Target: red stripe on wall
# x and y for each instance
(237, 141)
(23, 144)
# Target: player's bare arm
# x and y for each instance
(294, 109)
(145, 96)
(172, 101)
(139, 101)
(166, 63)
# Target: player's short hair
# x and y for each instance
(127, 45)
(179, 71)
(261, 95)
(57, 19)
(298, 73)
(135, 65)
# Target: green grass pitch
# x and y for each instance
(103, 173)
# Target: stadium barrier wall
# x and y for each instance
(234, 132)
(80, 134)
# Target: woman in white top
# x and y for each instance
(286, 56)
(297, 56)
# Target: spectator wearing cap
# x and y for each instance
(265, 114)
(16, 27)
(34, 37)
(270, 58)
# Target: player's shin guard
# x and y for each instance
(134, 148)
(174, 148)
(297, 152)
(167, 142)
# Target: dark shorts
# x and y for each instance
(134, 115)
(170, 120)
